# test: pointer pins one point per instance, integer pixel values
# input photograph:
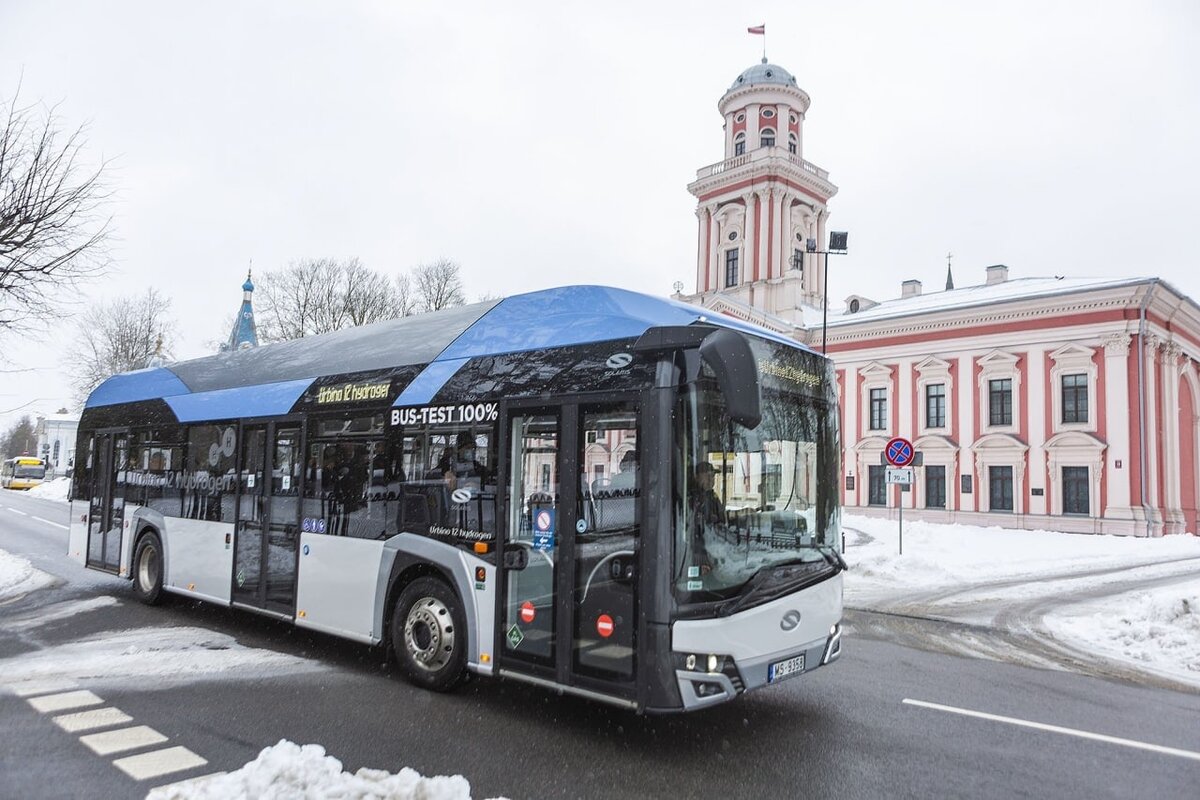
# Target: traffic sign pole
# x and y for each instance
(900, 453)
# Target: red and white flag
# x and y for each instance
(761, 30)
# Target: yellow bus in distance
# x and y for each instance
(22, 472)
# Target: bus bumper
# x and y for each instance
(782, 639)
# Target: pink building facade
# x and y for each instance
(1061, 403)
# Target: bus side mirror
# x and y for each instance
(729, 356)
(516, 558)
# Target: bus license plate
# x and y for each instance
(786, 668)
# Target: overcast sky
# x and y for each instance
(542, 143)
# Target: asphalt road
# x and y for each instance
(848, 730)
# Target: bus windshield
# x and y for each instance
(37, 471)
(755, 498)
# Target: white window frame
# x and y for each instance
(1000, 450)
(875, 376)
(1073, 359)
(1074, 449)
(934, 370)
(996, 366)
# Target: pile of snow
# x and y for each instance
(56, 489)
(942, 556)
(289, 770)
(1158, 630)
(18, 576)
(170, 654)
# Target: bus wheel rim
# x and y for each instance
(429, 634)
(146, 567)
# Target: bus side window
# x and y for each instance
(449, 491)
(210, 478)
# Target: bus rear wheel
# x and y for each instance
(148, 570)
(429, 635)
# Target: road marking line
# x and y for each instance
(103, 744)
(55, 524)
(1041, 726)
(160, 762)
(17, 511)
(170, 790)
(90, 720)
(63, 701)
(31, 688)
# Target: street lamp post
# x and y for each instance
(837, 246)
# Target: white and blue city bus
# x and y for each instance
(596, 491)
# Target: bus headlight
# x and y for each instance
(699, 662)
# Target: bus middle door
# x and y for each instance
(267, 532)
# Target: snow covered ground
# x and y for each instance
(55, 489)
(1129, 600)
(18, 576)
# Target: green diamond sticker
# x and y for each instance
(515, 637)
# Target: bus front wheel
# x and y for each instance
(429, 635)
(148, 570)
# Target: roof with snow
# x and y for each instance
(970, 296)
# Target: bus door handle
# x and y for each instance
(516, 558)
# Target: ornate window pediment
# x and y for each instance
(999, 443)
(933, 443)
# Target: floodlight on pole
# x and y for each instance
(837, 246)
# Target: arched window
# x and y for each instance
(57, 444)
(739, 144)
(768, 138)
(791, 143)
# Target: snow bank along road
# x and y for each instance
(1104, 606)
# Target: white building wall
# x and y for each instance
(1036, 405)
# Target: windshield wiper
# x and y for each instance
(777, 580)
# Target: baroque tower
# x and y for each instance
(760, 205)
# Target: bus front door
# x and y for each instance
(267, 532)
(571, 546)
(106, 515)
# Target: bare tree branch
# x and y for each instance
(118, 337)
(438, 285)
(318, 295)
(52, 227)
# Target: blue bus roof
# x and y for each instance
(267, 380)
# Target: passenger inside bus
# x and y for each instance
(627, 477)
